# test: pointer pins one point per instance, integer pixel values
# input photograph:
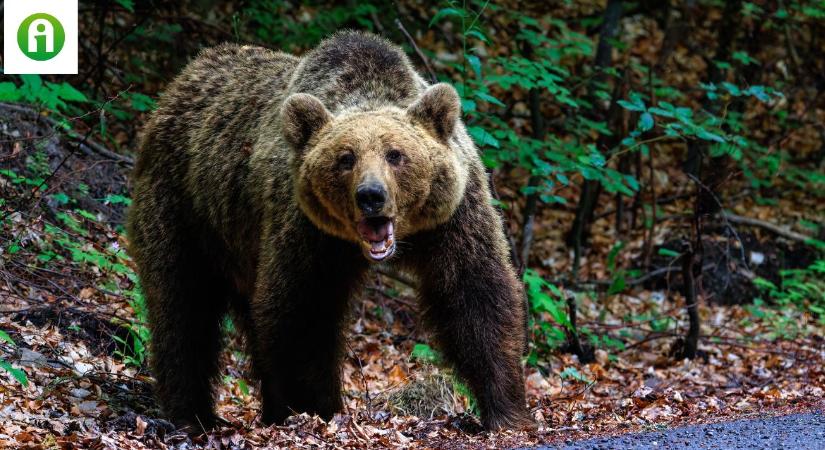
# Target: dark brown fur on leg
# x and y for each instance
(185, 304)
(298, 321)
(473, 302)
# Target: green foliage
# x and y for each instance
(548, 315)
(550, 158)
(800, 291)
(274, 22)
(17, 374)
(33, 90)
(573, 373)
(135, 349)
(20, 179)
(425, 354)
(725, 133)
(72, 242)
(242, 385)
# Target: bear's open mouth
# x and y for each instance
(378, 238)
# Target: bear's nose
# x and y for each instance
(370, 197)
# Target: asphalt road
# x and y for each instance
(796, 431)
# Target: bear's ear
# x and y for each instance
(438, 109)
(302, 115)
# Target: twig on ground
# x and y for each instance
(636, 281)
(398, 276)
(363, 379)
(651, 337)
(776, 229)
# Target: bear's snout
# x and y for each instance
(370, 198)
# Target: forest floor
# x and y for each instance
(80, 396)
(67, 299)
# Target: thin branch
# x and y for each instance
(691, 342)
(418, 51)
(722, 213)
(86, 145)
(776, 229)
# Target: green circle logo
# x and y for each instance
(41, 37)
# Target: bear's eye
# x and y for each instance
(346, 161)
(394, 157)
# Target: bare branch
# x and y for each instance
(418, 51)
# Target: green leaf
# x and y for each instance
(478, 35)
(69, 93)
(669, 253)
(115, 199)
(483, 137)
(17, 374)
(5, 337)
(467, 105)
(732, 88)
(618, 285)
(708, 136)
(743, 58)
(631, 180)
(243, 386)
(645, 121)
(660, 112)
(9, 92)
(572, 372)
(86, 214)
(630, 106)
(142, 102)
(129, 5)
(758, 92)
(446, 12)
(31, 83)
(488, 98)
(475, 63)
(425, 353)
(612, 254)
(60, 198)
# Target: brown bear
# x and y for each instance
(267, 184)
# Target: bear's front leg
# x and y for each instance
(298, 316)
(474, 303)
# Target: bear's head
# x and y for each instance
(375, 177)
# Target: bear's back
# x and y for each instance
(220, 94)
(196, 145)
(355, 69)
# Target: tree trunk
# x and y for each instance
(579, 231)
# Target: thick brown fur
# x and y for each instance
(241, 205)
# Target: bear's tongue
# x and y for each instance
(378, 238)
(375, 230)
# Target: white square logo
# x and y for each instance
(40, 37)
